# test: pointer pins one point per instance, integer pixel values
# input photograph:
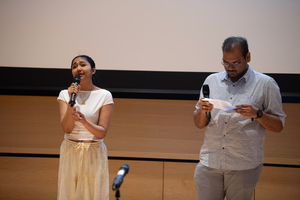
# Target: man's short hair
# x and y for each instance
(232, 43)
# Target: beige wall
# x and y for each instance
(140, 128)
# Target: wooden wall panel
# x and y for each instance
(144, 180)
(278, 183)
(26, 178)
(283, 147)
(140, 128)
(154, 128)
(29, 124)
(179, 181)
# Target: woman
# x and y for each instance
(83, 167)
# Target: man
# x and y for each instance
(231, 158)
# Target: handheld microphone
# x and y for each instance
(205, 91)
(119, 178)
(73, 95)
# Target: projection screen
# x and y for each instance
(149, 35)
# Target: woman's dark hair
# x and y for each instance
(232, 43)
(93, 66)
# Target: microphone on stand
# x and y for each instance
(73, 95)
(119, 178)
(205, 91)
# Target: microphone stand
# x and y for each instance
(117, 194)
(119, 179)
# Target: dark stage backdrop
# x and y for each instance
(127, 84)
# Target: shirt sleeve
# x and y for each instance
(64, 96)
(273, 103)
(108, 99)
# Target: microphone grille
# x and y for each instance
(125, 167)
(205, 90)
(77, 79)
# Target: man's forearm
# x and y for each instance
(200, 119)
(271, 122)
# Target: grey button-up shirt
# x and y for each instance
(232, 141)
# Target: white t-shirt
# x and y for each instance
(88, 103)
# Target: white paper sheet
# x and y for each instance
(220, 104)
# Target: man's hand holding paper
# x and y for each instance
(220, 104)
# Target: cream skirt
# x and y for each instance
(83, 171)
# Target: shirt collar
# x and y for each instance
(245, 77)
